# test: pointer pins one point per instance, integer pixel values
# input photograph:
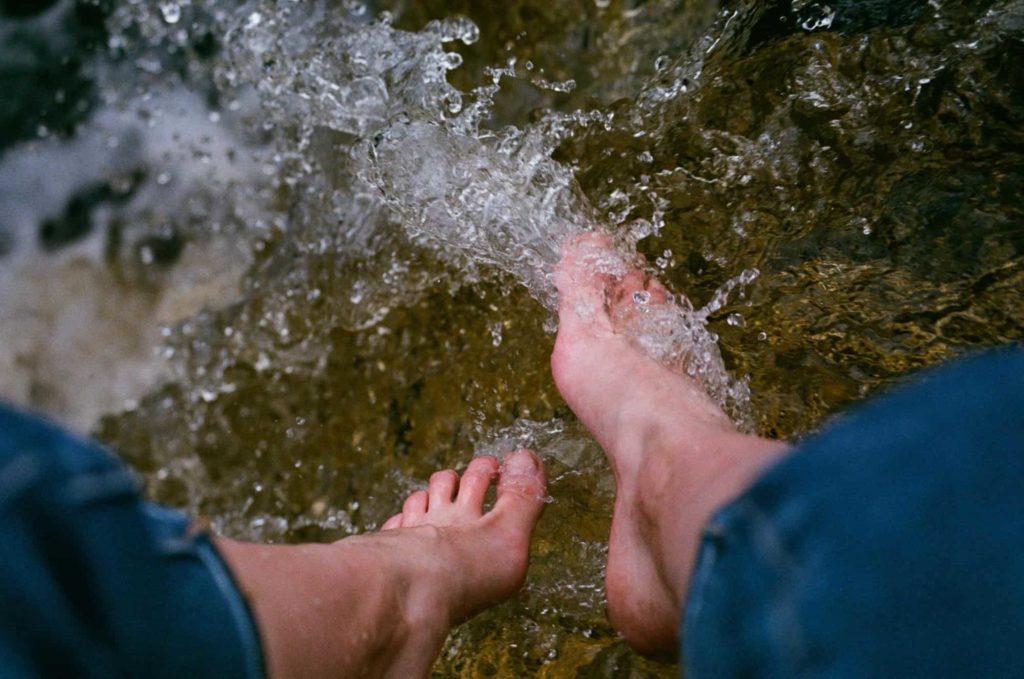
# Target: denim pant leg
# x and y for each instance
(890, 545)
(96, 583)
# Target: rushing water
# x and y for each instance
(291, 257)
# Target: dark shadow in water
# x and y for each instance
(42, 54)
(775, 20)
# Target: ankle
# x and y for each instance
(413, 590)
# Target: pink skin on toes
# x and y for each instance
(449, 499)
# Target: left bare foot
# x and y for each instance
(382, 604)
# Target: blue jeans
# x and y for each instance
(96, 583)
(890, 545)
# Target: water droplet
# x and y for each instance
(496, 329)
(355, 8)
(735, 320)
(171, 12)
(819, 17)
(641, 297)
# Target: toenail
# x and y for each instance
(520, 463)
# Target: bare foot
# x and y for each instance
(490, 549)
(382, 604)
(675, 455)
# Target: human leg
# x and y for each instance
(382, 604)
(890, 544)
(96, 583)
(675, 455)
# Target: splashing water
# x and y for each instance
(478, 198)
(302, 244)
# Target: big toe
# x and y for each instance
(522, 491)
(589, 264)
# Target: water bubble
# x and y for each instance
(170, 11)
(452, 60)
(735, 320)
(355, 8)
(641, 297)
(458, 28)
(817, 17)
(496, 329)
(262, 362)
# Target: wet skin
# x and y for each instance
(675, 455)
(381, 604)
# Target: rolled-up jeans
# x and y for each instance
(95, 582)
(890, 545)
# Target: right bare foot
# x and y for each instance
(675, 455)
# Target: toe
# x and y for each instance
(522, 490)
(442, 487)
(638, 288)
(659, 293)
(630, 288)
(478, 477)
(415, 507)
(394, 522)
(587, 266)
